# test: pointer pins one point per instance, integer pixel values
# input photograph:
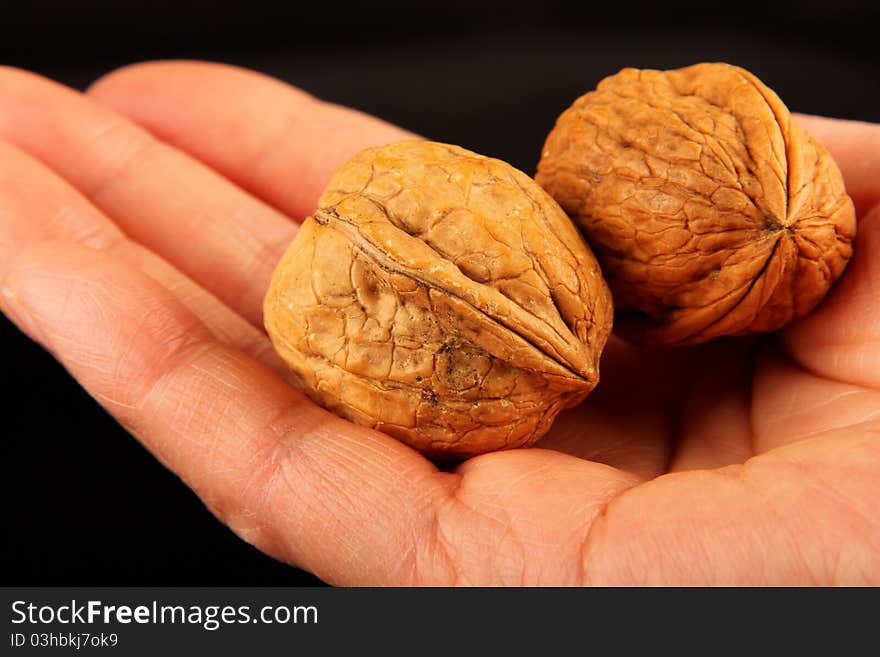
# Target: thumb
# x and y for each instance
(841, 338)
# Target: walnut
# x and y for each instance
(711, 211)
(441, 297)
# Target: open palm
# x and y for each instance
(139, 226)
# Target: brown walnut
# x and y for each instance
(441, 297)
(711, 211)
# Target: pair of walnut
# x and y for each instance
(448, 300)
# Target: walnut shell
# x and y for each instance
(441, 297)
(711, 211)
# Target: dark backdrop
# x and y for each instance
(83, 503)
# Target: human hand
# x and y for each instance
(139, 227)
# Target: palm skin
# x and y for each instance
(742, 461)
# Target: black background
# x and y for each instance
(83, 503)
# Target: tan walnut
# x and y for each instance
(441, 297)
(711, 211)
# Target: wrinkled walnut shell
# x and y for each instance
(441, 297)
(711, 211)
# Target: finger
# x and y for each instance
(855, 146)
(37, 206)
(218, 235)
(347, 503)
(272, 139)
(158, 95)
(840, 340)
(790, 403)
